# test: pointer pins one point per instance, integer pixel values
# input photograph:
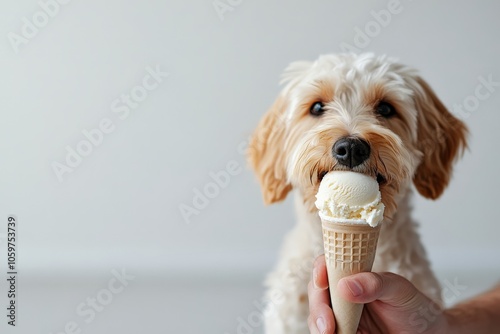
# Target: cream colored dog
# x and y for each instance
(363, 113)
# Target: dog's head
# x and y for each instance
(362, 113)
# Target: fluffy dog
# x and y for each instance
(363, 113)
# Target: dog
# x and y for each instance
(390, 125)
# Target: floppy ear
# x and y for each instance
(441, 138)
(266, 153)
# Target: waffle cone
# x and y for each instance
(349, 249)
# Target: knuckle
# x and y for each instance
(310, 321)
(378, 282)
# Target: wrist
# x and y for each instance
(456, 320)
(448, 323)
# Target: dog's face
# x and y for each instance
(361, 113)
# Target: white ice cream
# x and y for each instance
(355, 197)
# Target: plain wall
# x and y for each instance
(120, 207)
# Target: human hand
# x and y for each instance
(393, 304)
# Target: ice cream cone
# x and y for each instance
(349, 249)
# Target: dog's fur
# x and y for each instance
(291, 149)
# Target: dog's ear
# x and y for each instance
(441, 138)
(266, 153)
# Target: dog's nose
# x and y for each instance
(350, 151)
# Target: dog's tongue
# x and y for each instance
(350, 196)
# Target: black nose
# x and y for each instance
(350, 151)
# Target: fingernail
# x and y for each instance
(320, 323)
(355, 287)
(315, 278)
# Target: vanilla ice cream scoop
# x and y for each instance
(351, 196)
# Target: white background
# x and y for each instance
(120, 207)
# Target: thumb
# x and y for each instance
(388, 288)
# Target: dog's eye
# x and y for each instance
(317, 109)
(385, 109)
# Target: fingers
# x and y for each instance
(389, 288)
(321, 316)
(321, 321)
(320, 277)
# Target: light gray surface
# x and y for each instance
(171, 305)
(120, 207)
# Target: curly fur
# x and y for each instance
(291, 149)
